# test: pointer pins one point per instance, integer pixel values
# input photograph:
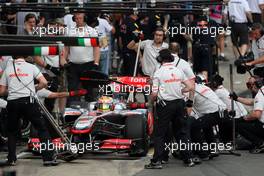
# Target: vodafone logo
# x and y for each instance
(19, 75)
(138, 80)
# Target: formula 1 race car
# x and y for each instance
(109, 124)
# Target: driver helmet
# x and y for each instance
(105, 104)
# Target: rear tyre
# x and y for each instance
(136, 128)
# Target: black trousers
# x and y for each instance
(252, 131)
(23, 108)
(129, 60)
(202, 128)
(74, 73)
(174, 113)
(239, 34)
(3, 117)
(2, 128)
(256, 17)
(202, 59)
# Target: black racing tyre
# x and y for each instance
(136, 128)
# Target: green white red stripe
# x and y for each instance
(88, 42)
(42, 51)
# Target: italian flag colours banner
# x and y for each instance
(49, 50)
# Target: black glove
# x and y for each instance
(233, 96)
(138, 36)
(241, 65)
(95, 67)
(189, 103)
(232, 113)
(54, 70)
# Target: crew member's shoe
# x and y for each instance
(51, 163)
(8, 163)
(258, 149)
(154, 165)
(222, 58)
(189, 163)
(164, 161)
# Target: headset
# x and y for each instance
(216, 81)
(160, 58)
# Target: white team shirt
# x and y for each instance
(237, 10)
(79, 54)
(259, 103)
(254, 5)
(167, 81)
(104, 30)
(206, 101)
(26, 72)
(258, 49)
(223, 94)
(43, 93)
(184, 66)
(149, 62)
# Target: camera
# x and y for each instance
(241, 61)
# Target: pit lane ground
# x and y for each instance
(119, 165)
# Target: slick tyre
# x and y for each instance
(136, 129)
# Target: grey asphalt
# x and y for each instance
(116, 165)
(224, 165)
